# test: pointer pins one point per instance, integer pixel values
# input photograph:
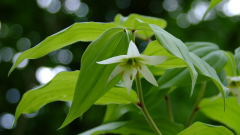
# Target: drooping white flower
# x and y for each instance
(131, 63)
(234, 86)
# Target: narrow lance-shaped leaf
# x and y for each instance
(61, 88)
(230, 67)
(206, 70)
(199, 128)
(213, 3)
(92, 80)
(128, 22)
(212, 108)
(138, 127)
(173, 45)
(77, 32)
(237, 60)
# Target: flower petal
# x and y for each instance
(148, 75)
(153, 60)
(111, 60)
(128, 77)
(115, 72)
(132, 50)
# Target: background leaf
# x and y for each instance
(139, 127)
(61, 88)
(237, 60)
(212, 108)
(142, 34)
(230, 68)
(199, 128)
(92, 80)
(77, 32)
(213, 3)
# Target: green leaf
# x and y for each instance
(237, 59)
(115, 111)
(212, 5)
(138, 127)
(205, 69)
(180, 76)
(171, 44)
(61, 88)
(106, 127)
(77, 32)
(154, 48)
(199, 128)
(92, 80)
(128, 22)
(230, 67)
(212, 108)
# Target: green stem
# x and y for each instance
(142, 106)
(196, 105)
(169, 110)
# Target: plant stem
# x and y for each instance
(142, 106)
(169, 110)
(196, 105)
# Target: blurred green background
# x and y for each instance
(26, 23)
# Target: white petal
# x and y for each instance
(148, 75)
(128, 71)
(153, 60)
(115, 59)
(115, 72)
(132, 50)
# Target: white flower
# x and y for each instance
(234, 86)
(131, 63)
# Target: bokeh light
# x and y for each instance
(109, 17)
(54, 6)
(65, 56)
(23, 44)
(82, 10)
(123, 3)
(12, 96)
(16, 31)
(170, 5)
(44, 3)
(6, 54)
(231, 8)
(6, 120)
(30, 115)
(183, 21)
(45, 74)
(72, 5)
(22, 64)
(4, 30)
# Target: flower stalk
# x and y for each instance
(169, 110)
(196, 105)
(142, 106)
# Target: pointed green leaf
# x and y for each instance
(77, 32)
(199, 128)
(212, 108)
(213, 3)
(171, 44)
(128, 22)
(180, 76)
(230, 68)
(237, 60)
(154, 48)
(61, 88)
(92, 80)
(115, 111)
(138, 127)
(205, 69)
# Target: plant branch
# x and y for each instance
(169, 110)
(196, 105)
(142, 106)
